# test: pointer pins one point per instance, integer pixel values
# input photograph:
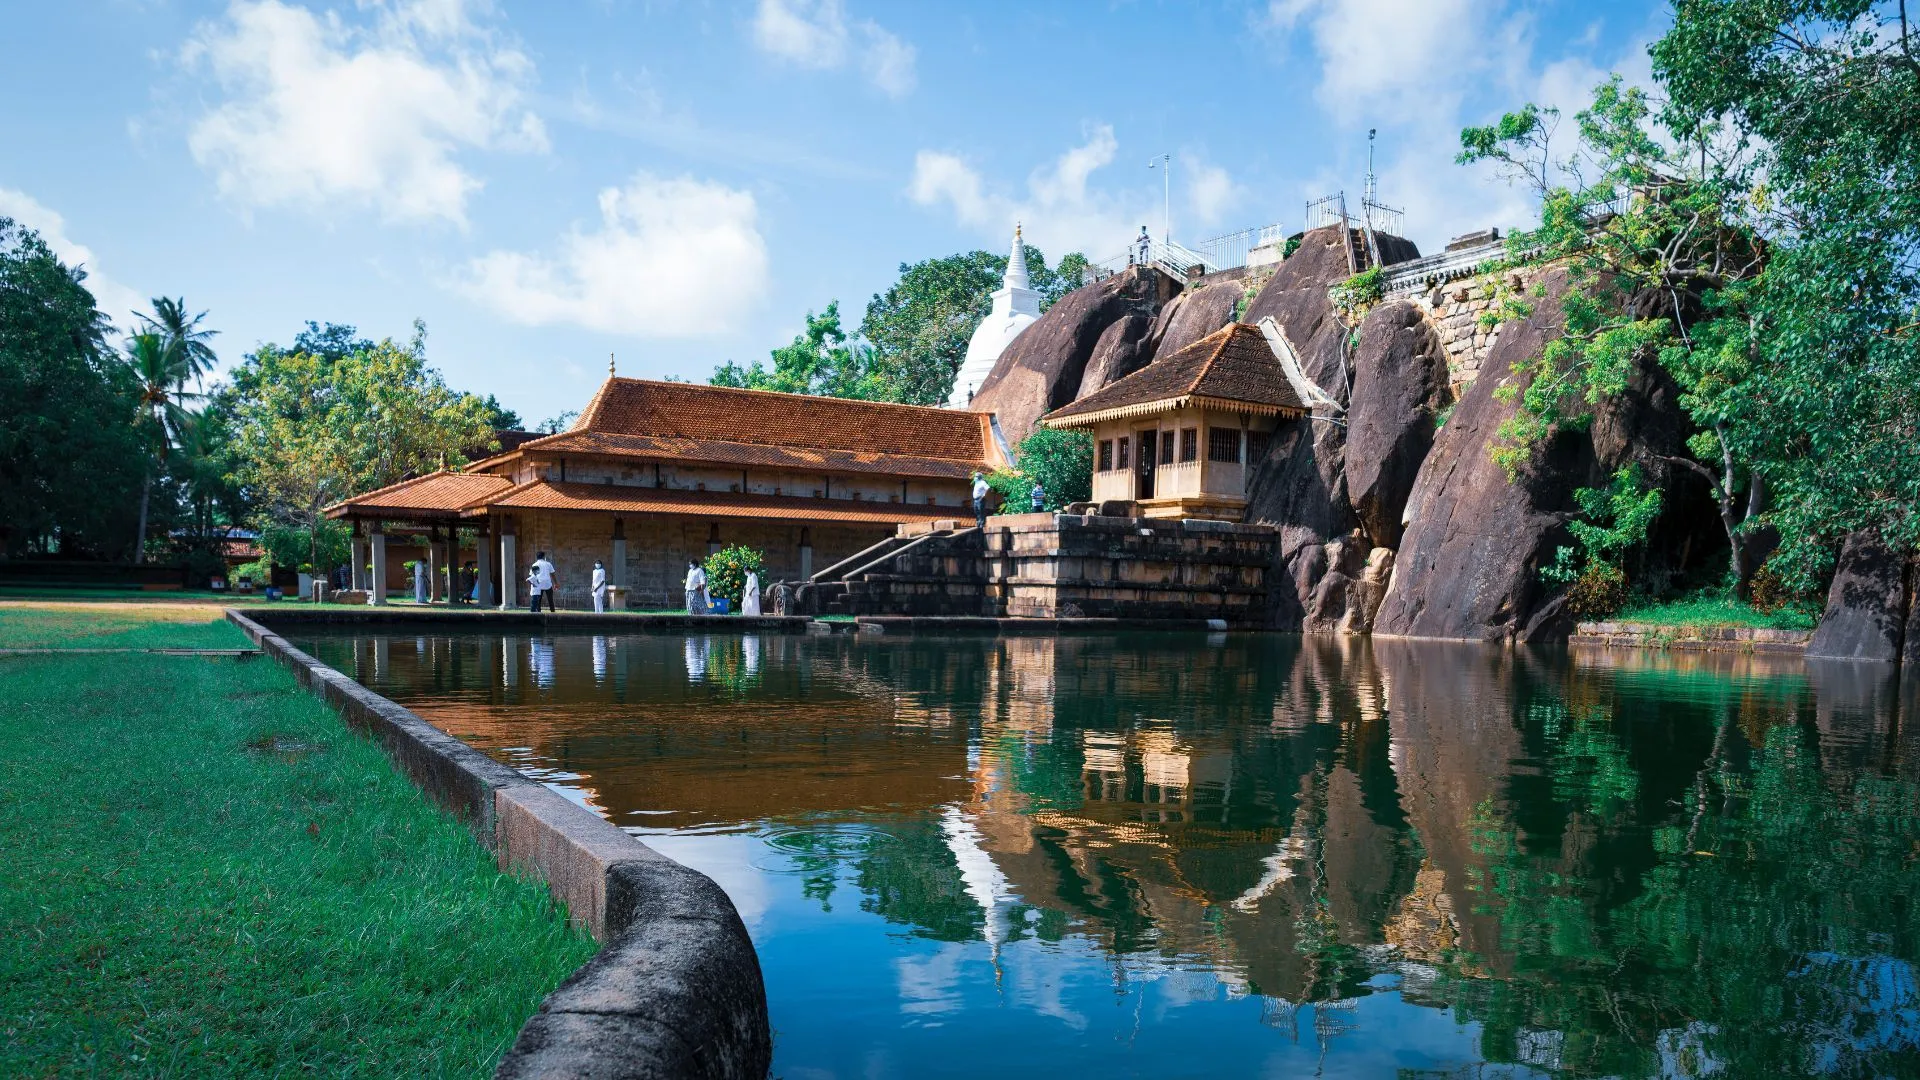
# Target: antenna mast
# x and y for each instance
(1372, 188)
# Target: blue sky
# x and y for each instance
(678, 182)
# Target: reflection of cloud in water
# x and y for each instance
(931, 984)
(727, 858)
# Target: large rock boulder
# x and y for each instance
(1042, 369)
(1867, 605)
(1196, 313)
(1399, 388)
(1468, 564)
(1124, 347)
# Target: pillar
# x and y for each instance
(617, 569)
(806, 553)
(357, 564)
(379, 570)
(509, 585)
(450, 581)
(485, 540)
(433, 564)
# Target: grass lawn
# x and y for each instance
(115, 624)
(206, 872)
(1714, 610)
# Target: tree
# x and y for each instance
(1062, 463)
(1828, 90)
(181, 331)
(819, 360)
(69, 463)
(501, 417)
(311, 430)
(161, 367)
(334, 341)
(919, 327)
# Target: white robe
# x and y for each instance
(750, 598)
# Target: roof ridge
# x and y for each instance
(399, 484)
(1225, 334)
(543, 442)
(712, 388)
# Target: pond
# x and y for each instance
(1203, 855)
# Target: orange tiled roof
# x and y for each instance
(437, 494)
(622, 499)
(705, 415)
(1230, 367)
(803, 458)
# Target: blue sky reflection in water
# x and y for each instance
(1177, 855)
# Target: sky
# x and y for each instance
(675, 184)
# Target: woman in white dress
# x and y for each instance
(750, 596)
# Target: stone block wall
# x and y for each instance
(1067, 565)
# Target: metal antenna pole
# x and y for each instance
(1372, 188)
(1165, 164)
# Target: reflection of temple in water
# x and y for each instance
(1292, 815)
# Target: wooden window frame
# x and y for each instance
(1105, 460)
(1223, 445)
(1189, 444)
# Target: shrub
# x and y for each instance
(1062, 461)
(1598, 592)
(727, 570)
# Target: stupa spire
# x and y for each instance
(1017, 263)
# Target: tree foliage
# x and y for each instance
(71, 456)
(311, 430)
(1062, 463)
(913, 337)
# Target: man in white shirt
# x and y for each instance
(696, 589)
(540, 582)
(980, 490)
(599, 586)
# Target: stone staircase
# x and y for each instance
(936, 569)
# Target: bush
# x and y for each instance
(727, 571)
(1598, 592)
(1062, 461)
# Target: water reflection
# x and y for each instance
(1230, 854)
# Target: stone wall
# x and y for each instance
(1455, 309)
(1064, 565)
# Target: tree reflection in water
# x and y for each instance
(1624, 864)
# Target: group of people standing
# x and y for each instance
(543, 582)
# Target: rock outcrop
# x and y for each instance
(1869, 605)
(1399, 388)
(1196, 313)
(1043, 368)
(1124, 347)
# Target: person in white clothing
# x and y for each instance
(980, 490)
(540, 582)
(599, 586)
(750, 596)
(696, 589)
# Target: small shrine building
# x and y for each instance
(654, 474)
(1179, 437)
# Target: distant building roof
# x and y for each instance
(701, 415)
(440, 494)
(1233, 369)
(625, 499)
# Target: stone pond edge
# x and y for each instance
(675, 989)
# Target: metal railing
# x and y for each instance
(1332, 210)
(1225, 252)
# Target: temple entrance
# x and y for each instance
(1148, 440)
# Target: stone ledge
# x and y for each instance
(676, 989)
(490, 620)
(1740, 639)
(945, 624)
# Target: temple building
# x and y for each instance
(654, 474)
(1015, 307)
(1179, 436)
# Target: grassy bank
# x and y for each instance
(206, 872)
(83, 624)
(1714, 610)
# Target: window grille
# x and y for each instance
(1258, 443)
(1189, 444)
(1106, 455)
(1121, 461)
(1223, 444)
(1166, 448)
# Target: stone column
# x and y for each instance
(806, 553)
(617, 569)
(357, 561)
(509, 587)
(379, 571)
(450, 583)
(484, 541)
(433, 564)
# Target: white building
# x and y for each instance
(1015, 307)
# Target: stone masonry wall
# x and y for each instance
(1455, 309)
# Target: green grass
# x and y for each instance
(206, 872)
(1714, 610)
(68, 624)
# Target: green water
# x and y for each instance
(1191, 855)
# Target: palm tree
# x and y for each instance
(162, 368)
(180, 330)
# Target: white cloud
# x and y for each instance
(319, 112)
(816, 34)
(672, 258)
(1063, 210)
(116, 300)
(1434, 50)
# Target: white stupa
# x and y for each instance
(1015, 307)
